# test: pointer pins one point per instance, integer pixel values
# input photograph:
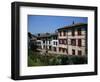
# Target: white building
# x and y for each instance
(48, 42)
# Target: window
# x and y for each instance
(60, 42)
(65, 41)
(49, 41)
(79, 42)
(44, 46)
(43, 41)
(73, 52)
(54, 48)
(60, 33)
(79, 31)
(63, 50)
(59, 49)
(53, 43)
(79, 52)
(56, 43)
(64, 33)
(49, 47)
(73, 32)
(73, 42)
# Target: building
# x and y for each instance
(31, 40)
(43, 40)
(48, 41)
(54, 42)
(73, 39)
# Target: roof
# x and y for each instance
(40, 35)
(77, 25)
(30, 35)
(33, 36)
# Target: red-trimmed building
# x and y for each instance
(73, 39)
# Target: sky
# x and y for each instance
(49, 24)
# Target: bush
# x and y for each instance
(64, 60)
(55, 61)
(79, 59)
(30, 61)
(36, 59)
(33, 46)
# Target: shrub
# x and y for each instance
(33, 46)
(79, 59)
(36, 59)
(30, 61)
(64, 60)
(55, 61)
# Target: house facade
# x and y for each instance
(48, 41)
(73, 39)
